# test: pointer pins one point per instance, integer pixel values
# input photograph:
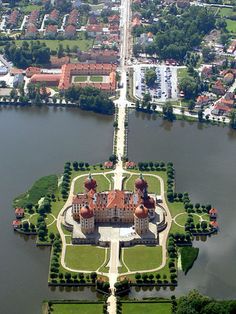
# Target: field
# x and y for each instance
(82, 44)
(188, 257)
(29, 8)
(153, 183)
(83, 78)
(224, 12)
(84, 257)
(181, 73)
(80, 79)
(231, 25)
(77, 308)
(103, 184)
(145, 307)
(143, 257)
(43, 186)
(96, 79)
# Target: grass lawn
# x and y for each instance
(82, 44)
(80, 78)
(102, 183)
(143, 257)
(96, 78)
(43, 186)
(181, 219)
(176, 208)
(231, 25)
(145, 307)
(181, 73)
(188, 257)
(77, 308)
(153, 183)
(84, 257)
(225, 12)
(31, 7)
(105, 267)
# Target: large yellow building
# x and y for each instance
(113, 206)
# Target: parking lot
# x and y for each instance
(165, 87)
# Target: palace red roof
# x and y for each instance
(213, 211)
(86, 212)
(141, 212)
(41, 78)
(19, 211)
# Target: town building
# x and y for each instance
(47, 79)
(18, 80)
(77, 69)
(16, 224)
(19, 212)
(30, 71)
(213, 213)
(108, 165)
(113, 206)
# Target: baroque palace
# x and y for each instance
(113, 206)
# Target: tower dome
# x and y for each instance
(90, 183)
(140, 183)
(141, 212)
(86, 212)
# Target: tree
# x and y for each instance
(60, 51)
(215, 308)
(207, 54)
(200, 115)
(193, 303)
(93, 276)
(51, 236)
(113, 158)
(233, 119)
(137, 105)
(150, 77)
(75, 165)
(204, 225)
(137, 276)
(189, 86)
(167, 110)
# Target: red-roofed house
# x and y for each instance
(93, 30)
(30, 71)
(221, 110)
(31, 32)
(213, 213)
(19, 212)
(130, 165)
(51, 31)
(48, 79)
(218, 88)
(108, 164)
(57, 63)
(16, 224)
(214, 224)
(70, 31)
(202, 100)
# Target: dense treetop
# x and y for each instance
(35, 53)
(178, 32)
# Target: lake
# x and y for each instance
(35, 142)
(204, 158)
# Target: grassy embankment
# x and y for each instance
(146, 307)
(84, 257)
(188, 257)
(142, 257)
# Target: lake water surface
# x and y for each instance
(205, 162)
(36, 142)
